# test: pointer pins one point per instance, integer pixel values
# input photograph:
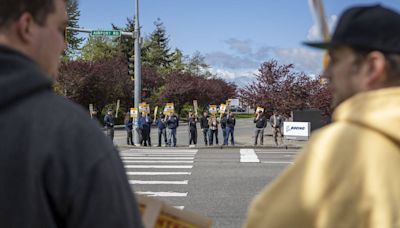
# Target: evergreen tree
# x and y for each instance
(72, 39)
(178, 61)
(125, 44)
(196, 65)
(155, 49)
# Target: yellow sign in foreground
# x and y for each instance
(156, 213)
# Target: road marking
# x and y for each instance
(157, 158)
(163, 194)
(277, 162)
(158, 162)
(156, 173)
(160, 151)
(277, 152)
(159, 166)
(248, 155)
(157, 182)
(179, 207)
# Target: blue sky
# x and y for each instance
(235, 36)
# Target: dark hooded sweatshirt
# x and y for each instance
(57, 169)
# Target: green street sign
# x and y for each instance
(105, 33)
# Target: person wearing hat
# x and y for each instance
(346, 175)
(109, 123)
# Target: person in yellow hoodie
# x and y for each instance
(347, 174)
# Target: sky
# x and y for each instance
(234, 36)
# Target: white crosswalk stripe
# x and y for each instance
(126, 158)
(156, 173)
(248, 155)
(152, 162)
(160, 172)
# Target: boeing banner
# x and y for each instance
(296, 129)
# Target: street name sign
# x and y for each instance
(105, 33)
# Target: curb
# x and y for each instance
(285, 147)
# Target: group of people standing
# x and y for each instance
(166, 125)
(209, 126)
(276, 122)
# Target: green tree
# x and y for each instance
(97, 48)
(156, 51)
(73, 41)
(125, 44)
(178, 61)
(196, 65)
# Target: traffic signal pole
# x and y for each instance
(138, 76)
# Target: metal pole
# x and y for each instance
(138, 78)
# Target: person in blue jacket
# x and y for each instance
(172, 124)
(109, 124)
(128, 127)
(161, 125)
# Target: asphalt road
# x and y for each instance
(213, 182)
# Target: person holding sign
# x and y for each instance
(172, 124)
(161, 125)
(261, 122)
(128, 127)
(230, 128)
(192, 129)
(223, 125)
(146, 127)
(204, 125)
(213, 123)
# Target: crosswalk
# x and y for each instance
(160, 173)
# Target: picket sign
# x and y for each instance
(156, 213)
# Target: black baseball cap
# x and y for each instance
(366, 27)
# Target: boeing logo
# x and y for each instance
(290, 128)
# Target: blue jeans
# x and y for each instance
(171, 135)
(206, 135)
(162, 133)
(223, 133)
(229, 131)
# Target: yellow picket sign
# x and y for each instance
(134, 112)
(169, 109)
(213, 109)
(259, 109)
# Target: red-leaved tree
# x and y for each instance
(279, 87)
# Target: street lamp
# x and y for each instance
(138, 77)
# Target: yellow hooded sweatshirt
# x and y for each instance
(348, 175)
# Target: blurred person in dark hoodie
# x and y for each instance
(65, 172)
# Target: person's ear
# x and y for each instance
(25, 27)
(375, 69)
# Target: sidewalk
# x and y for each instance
(244, 138)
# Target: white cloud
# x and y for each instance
(225, 60)
(240, 67)
(241, 46)
(307, 60)
(314, 33)
(240, 77)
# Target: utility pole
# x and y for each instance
(138, 76)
